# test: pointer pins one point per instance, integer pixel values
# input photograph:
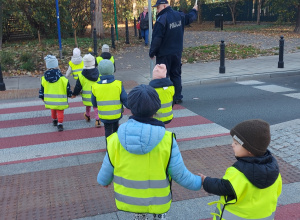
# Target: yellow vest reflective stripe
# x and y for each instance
(165, 113)
(108, 99)
(229, 216)
(141, 182)
(76, 68)
(55, 94)
(246, 206)
(86, 89)
(98, 59)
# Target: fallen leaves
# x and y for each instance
(209, 53)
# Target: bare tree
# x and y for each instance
(232, 6)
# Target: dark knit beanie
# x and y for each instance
(143, 101)
(254, 135)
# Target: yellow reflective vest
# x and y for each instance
(165, 113)
(108, 100)
(76, 69)
(86, 89)
(98, 59)
(251, 202)
(55, 94)
(141, 182)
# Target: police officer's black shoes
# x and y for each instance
(54, 122)
(178, 101)
(60, 127)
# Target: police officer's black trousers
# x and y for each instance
(173, 63)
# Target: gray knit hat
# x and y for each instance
(51, 61)
(106, 67)
(254, 135)
(143, 101)
(105, 48)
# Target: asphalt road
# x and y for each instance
(230, 103)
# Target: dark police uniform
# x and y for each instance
(167, 43)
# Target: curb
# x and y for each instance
(236, 78)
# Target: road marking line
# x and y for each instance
(293, 95)
(274, 88)
(250, 82)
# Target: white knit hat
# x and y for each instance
(76, 52)
(105, 48)
(89, 61)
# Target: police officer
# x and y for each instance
(167, 41)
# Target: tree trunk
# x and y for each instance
(99, 19)
(297, 28)
(75, 37)
(1, 18)
(135, 14)
(232, 8)
(199, 13)
(172, 3)
(258, 11)
(92, 8)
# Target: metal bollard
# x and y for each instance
(127, 32)
(2, 85)
(134, 25)
(221, 21)
(281, 47)
(95, 42)
(222, 57)
(112, 30)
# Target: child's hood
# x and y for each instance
(159, 83)
(91, 74)
(52, 75)
(106, 55)
(139, 138)
(260, 171)
(76, 60)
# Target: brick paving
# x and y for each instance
(73, 192)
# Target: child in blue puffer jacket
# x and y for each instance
(142, 159)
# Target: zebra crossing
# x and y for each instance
(27, 134)
(289, 92)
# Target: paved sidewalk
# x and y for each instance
(197, 73)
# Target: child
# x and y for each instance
(55, 90)
(106, 55)
(165, 89)
(75, 65)
(142, 158)
(109, 96)
(86, 79)
(252, 185)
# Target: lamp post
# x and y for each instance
(58, 30)
(116, 20)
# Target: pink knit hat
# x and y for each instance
(160, 71)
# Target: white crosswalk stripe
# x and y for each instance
(39, 140)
